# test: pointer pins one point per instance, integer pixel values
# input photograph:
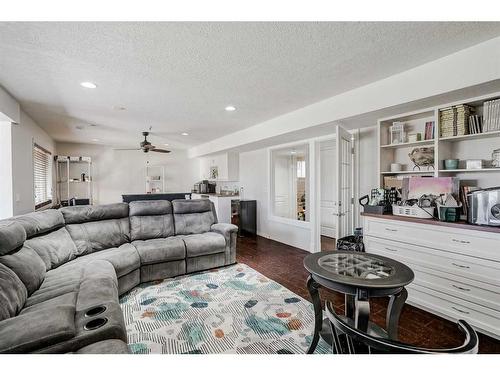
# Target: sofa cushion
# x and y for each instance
(204, 244)
(151, 219)
(150, 207)
(124, 259)
(27, 265)
(99, 235)
(54, 248)
(38, 329)
(193, 216)
(160, 250)
(13, 293)
(59, 281)
(12, 236)
(36, 223)
(64, 299)
(83, 214)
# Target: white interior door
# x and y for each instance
(327, 188)
(344, 189)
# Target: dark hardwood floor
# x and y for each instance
(283, 264)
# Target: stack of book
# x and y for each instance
(491, 116)
(455, 120)
(429, 130)
(464, 190)
(475, 124)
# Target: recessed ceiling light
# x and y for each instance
(165, 144)
(184, 134)
(230, 108)
(95, 139)
(88, 85)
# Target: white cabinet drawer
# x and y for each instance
(459, 288)
(456, 264)
(463, 241)
(481, 318)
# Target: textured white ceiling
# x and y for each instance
(178, 77)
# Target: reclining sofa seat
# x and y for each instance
(46, 305)
(56, 266)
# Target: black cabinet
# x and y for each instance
(244, 215)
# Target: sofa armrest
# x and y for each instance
(223, 228)
(229, 231)
(37, 329)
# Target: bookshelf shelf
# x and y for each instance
(425, 142)
(478, 146)
(469, 170)
(389, 173)
(470, 136)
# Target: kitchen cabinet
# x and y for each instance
(456, 269)
(227, 165)
(222, 205)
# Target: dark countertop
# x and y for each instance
(458, 224)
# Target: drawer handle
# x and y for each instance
(460, 288)
(388, 248)
(460, 311)
(460, 265)
(391, 230)
(460, 241)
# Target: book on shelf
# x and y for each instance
(491, 115)
(475, 124)
(464, 190)
(455, 120)
(429, 130)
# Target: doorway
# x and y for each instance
(327, 194)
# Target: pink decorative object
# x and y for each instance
(419, 186)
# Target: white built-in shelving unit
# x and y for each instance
(74, 179)
(462, 147)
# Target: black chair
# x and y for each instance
(350, 340)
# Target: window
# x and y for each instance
(289, 168)
(42, 176)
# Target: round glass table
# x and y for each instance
(359, 276)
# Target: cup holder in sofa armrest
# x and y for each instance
(95, 323)
(95, 311)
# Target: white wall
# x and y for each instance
(123, 172)
(255, 181)
(6, 201)
(9, 107)
(24, 135)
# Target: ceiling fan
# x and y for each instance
(145, 146)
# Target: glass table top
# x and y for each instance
(356, 265)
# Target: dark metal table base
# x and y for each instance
(357, 310)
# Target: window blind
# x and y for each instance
(42, 176)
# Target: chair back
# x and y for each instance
(350, 340)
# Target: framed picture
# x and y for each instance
(214, 173)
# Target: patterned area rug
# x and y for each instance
(228, 310)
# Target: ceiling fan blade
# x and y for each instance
(127, 149)
(160, 150)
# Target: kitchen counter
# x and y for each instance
(217, 195)
(458, 224)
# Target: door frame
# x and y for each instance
(316, 182)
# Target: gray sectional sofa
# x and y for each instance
(62, 271)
